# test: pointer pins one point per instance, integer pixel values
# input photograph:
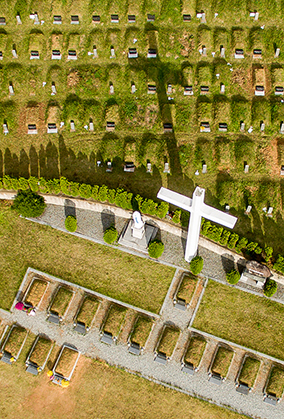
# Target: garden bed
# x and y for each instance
(67, 360)
(36, 292)
(40, 351)
(168, 340)
(195, 351)
(187, 287)
(275, 385)
(249, 371)
(222, 361)
(141, 330)
(15, 340)
(114, 320)
(61, 301)
(87, 311)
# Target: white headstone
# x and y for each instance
(133, 88)
(72, 126)
(169, 89)
(250, 130)
(222, 52)
(204, 168)
(149, 168)
(222, 88)
(11, 89)
(248, 210)
(269, 212)
(138, 228)
(166, 168)
(36, 19)
(14, 53)
(256, 16)
(111, 89)
(204, 51)
(112, 53)
(277, 52)
(19, 22)
(203, 19)
(246, 169)
(95, 52)
(282, 128)
(198, 209)
(91, 126)
(5, 129)
(53, 89)
(262, 126)
(242, 126)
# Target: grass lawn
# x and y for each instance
(114, 320)
(222, 361)
(88, 310)
(36, 291)
(40, 351)
(243, 318)
(131, 279)
(195, 351)
(276, 381)
(121, 395)
(187, 287)
(61, 301)
(141, 331)
(168, 340)
(249, 371)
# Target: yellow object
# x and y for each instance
(12, 359)
(49, 373)
(64, 383)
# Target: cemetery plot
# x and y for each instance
(221, 362)
(86, 314)
(39, 355)
(13, 344)
(275, 384)
(65, 365)
(249, 371)
(194, 351)
(186, 289)
(35, 292)
(168, 341)
(114, 320)
(141, 330)
(60, 304)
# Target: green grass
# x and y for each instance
(114, 320)
(88, 310)
(249, 371)
(275, 383)
(242, 318)
(141, 330)
(76, 260)
(195, 351)
(222, 361)
(187, 287)
(168, 340)
(61, 301)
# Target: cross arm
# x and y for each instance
(175, 198)
(218, 216)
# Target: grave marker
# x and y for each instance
(262, 126)
(74, 20)
(56, 54)
(269, 212)
(133, 88)
(166, 168)
(222, 52)
(204, 168)
(242, 126)
(282, 171)
(91, 126)
(114, 19)
(5, 129)
(188, 91)
(131, 19)
(57, 20)
(18, 18)
(32, 129)
(96, 19)
(109, 167)
(149, 168)
(11, 89)
(152, 53)
(111, 89)
(246, 168)
(14, 53)
(72, 55)
(282, 128)
(72, 126)
(34, 55)
(279, 90)
(259, 91)
(52, 128)
(277, 52)
(112, 53)
(132, 53)
(95, 53)
(53, 89)
(222, 88)
(248, 210)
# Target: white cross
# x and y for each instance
(198, 209)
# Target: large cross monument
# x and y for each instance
(198, 209)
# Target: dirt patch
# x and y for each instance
(73, 78)
(270, 155)
(243, 78)
(187, 43)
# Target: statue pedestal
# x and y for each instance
(137, 239)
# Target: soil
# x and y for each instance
(73, 78)
(271, 156)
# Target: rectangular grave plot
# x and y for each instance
(195, 351)
(275, 384)
(114, 320)
(40, 351)
(87, 311)
(66, 362)
(141, 330)
(222, 361)
(61, 301)
(249, 371)
(168, 340)
(187, 287)
(15, 340)
(36, 292)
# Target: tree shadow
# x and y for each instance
(107, 218)
(69, 208)
(228, 262)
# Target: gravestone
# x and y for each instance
(204, 168)
(14, 53)
(149, 168)
(95, 53)
(5, 129)
(152, 53)
(109, 167)
(18, 18)
(262, 126)
(279, 90)
(223, 127)
(246, 168)
(112, 53)
(129, 167)
(166, 168)
(255, 274)
(186, 18)
(168, 127)
(36, 19)
(205, 127)
(32, 129)
(52, 128)
(222, 52)
(204, 90)
(150, 18)
(239, 53)
(204, 53)
(53, 89)
(34, 55)
(277, 53)
(250, 130)
(132, 53)
(248, 210)
(111, 89)
(114, 19)
(72, 55)
(131, 19)
(256, 16)
(56, 54)
(72, 126)
(197, 209)
(227, 208)
(91, 126)
(110, 126)
(1, 55)
(203, 19)
(57, 20)
(259, 91)
(242, 126)
(282, 128)
(151, 89)
(75, 20)
(133, 88)
(169, 89)
(188, 91)
(222, 88)
(11, 89)
(269, 212)
(96, 19)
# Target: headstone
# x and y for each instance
(75, 20)
(34, 55)
(205, 127)
(239, 53)
(1, 55)
(150, 18)
(53, 89)
(246, 168)
(14, 53)
(259, 91)
(167, 168)
(222, 52)
(152, 53)
(18, 18)
(282, 171)
(72, 126)
(109, 167)
(151, 89)
(222, 88)
(11, 89)
(248, 210)
(129, 167)
(57, 20)
(188, 91)
(32, 129)
(99, 163)
(132, 53)
(250, 130)
(277, 52)
(203, 19)
(96, 19)
(213, 54)
(169, 89)
(5, 129)
(223, 127)
(282, 128)
(2, 21)
(204, 90)
(110, 126)
(242, 126)
(111, 89)
(186, 18)
(168, 127)
(131, 19)
(197, 173)
(36, 19)
(91, 126)
(198, 15)
(257, 53)
(149, 168)
(204, 51)
(262, 126)
(197, 209)
(269, 212)
(112, 53)
(56, 54)
(256, 16)
(95, 53)
(218, 76)
(51, 128)
(279, 90)
(114, 19)
(72, 55)
(133, 88)
(204, 168)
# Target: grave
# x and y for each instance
(197, 209)
(36, 19)
(187, 368)
(215, 378)
(204, 168)
(32, 129)
(204, 90)
(54, 318)
(151, 89)
(282, 128)
(166, 168)
(149, 168)
(111, 89)
(52, 129)
(150, 18)
(131, 19)
(134, 348)
(259, 91)
(91, 126)
(56, 54)
(74, 20)
(205, 127)
(72, 126)
(133, 88)
(80, 327)
(95, 53)
(34, 55)
(110, 126)
(2, 21)
(129, 167)
(11, 89)
(18, 18)
(203, 19)
(282, 171)
(161, 358)
(96, 19)
(53, 89)
(14, 53)
(72, 55)
(188, 91)
(152, 53)
(246, 168)
(204, 52)
(222, 52)
(106, 338)
(262, 126)
(186, 18)
(180, 303)
(169, 89)
(168, 127)
(243, 388)
(271, 399)
(279, 90)
(57, 20)
(277, 53)
(223, 127)
(137, 234)
(132, 53)
(109, 167)
(239, 53)
(112, 53)
(269, 212)
(114, 19)
(248, 210)
(257, 53)
(5, 129)
(222, 88)
(242, 126)
(6, 358)
(255, 274)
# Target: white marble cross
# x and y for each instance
(198, 209)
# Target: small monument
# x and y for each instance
(137, 234)
(255, 274)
